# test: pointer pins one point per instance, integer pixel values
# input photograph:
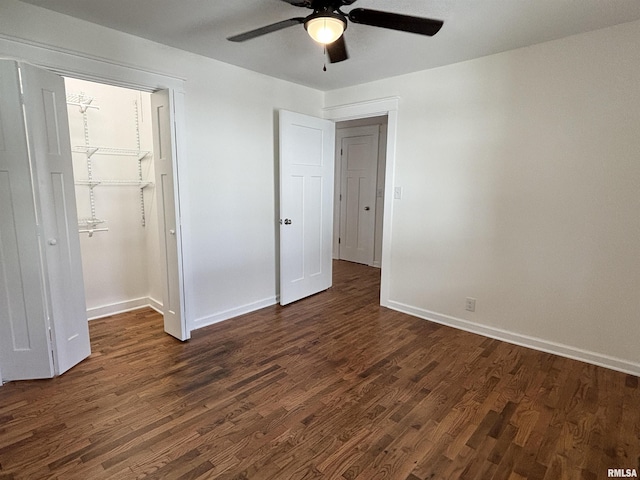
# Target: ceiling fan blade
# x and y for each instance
(395, 21)
(274, 27)
(299, 3)
(319, 4)
(337, 50)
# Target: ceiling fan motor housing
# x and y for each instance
(325, 14)
(329, 5)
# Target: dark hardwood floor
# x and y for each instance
(332, 387)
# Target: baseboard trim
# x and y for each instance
(534, 343)
(122, 307)
(232, 312)
(155, 304)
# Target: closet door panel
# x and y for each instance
(46, 113)
(25, 348)
(168, 214)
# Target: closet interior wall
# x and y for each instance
(111, 139)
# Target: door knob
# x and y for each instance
(172, 232)
(52, 241)
(367, 208)
(287, 221)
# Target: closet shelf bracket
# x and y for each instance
(91, 231)
(82, 101)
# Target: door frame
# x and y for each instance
(385, 106)
(80, 65)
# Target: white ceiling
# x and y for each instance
(472, 28)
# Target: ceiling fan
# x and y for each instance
(327, 24)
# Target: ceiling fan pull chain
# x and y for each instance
(324, 53)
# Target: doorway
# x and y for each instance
(113, 165)
(359, 190)
(307, 152)
(371, 108)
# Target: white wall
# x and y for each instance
(121, 265)
(228, 171)
(521, 188)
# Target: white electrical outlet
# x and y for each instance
(470, 304)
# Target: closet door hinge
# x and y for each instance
(53, 357)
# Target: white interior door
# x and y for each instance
(48, 128)
(359, 165)
(25, 345)
(168, 214)
(306, 205)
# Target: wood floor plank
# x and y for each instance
(331, 387)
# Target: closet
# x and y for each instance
(94, 143)
(111, 143)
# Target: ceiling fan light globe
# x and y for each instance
(325, 30)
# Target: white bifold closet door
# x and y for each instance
(163, 111)
(43, 321)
